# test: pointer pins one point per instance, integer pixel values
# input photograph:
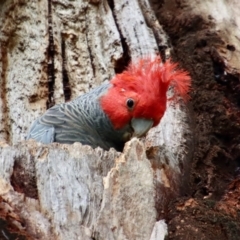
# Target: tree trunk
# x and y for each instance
(51, 52)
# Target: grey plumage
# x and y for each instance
(81, 120)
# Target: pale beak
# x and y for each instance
(141, 126)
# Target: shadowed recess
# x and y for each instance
(65, 79)
(122, 63)
(51, 52)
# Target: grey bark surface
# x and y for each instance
(81, 192)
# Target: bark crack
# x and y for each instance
(66, 86)
(123, 62)
(5, 129)
(159, 34)
(89, 48)
(28, 184)
(51, 53)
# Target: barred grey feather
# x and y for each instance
(81, 120)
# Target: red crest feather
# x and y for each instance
(146, 81)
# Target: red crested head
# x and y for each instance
(140, 91)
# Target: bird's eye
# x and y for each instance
(130, 103)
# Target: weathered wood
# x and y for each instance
(24, 78)
(125, 199)
(81, 192)
(139, 38)
(92, 45)
(170, 149)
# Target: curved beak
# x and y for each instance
(141, 126)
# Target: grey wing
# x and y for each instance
(43, 128)
(65, 123)
(81, 120)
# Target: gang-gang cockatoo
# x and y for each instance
(109, 115)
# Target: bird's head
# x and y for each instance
(138, 96)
